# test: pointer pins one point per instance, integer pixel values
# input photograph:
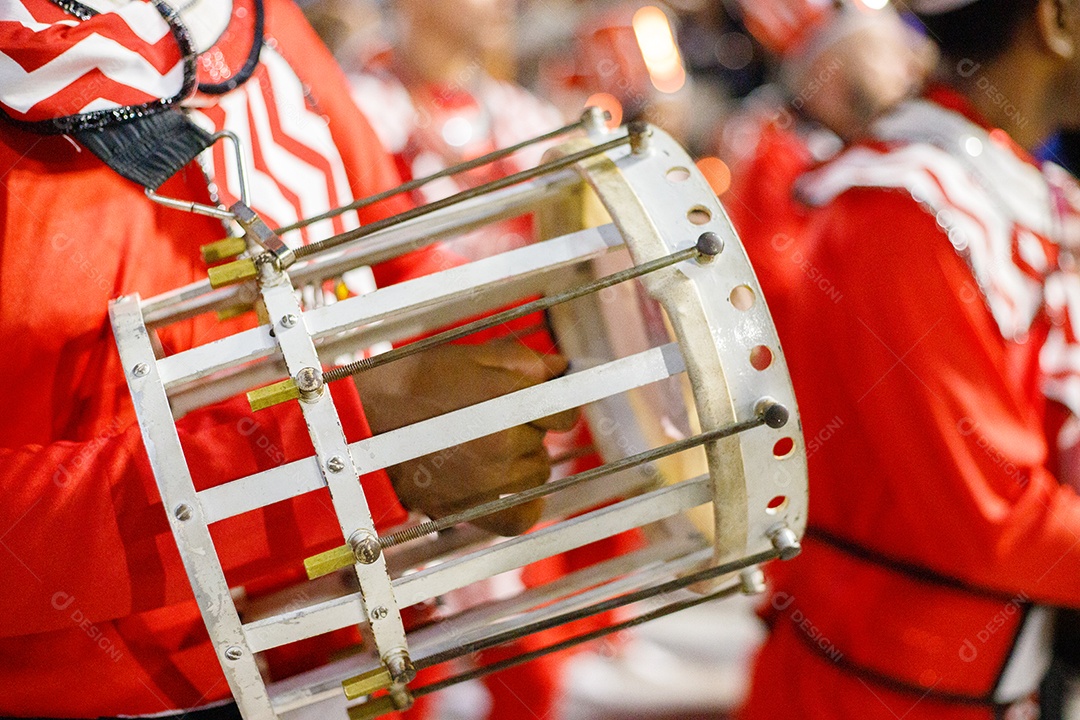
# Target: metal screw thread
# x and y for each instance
(416, 532)
(487, 188)
(344, 371)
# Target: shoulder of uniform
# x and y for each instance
(908, 167)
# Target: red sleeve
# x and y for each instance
(86, 519)
(925, 437)
(52, 65)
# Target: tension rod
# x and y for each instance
(352, 685)
(478, 191)
(588, 119)
(365, 550)
(245, 269)
(403, 700)
(309, 382)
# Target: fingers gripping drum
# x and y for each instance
(663, 349)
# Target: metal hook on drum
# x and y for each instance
(202, 208)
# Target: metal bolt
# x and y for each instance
(288, 321)
(752, 580)
(309, 381)
(379, 613)
(640, 135)
(400, 666)
(595, 119)
(182, 512)
(140, 370)
(785, 540)
(233, 653)
(365, 547)
(776, 415)
(335, 464)
(269, 270)
(709, 245)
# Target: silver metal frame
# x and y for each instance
(759, 499)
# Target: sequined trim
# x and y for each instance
(250, 64)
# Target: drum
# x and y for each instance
(674, 360)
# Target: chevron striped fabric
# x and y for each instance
(53, 65)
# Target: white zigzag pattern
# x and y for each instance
(1014, 298)
(21, 90)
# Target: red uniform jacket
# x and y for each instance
(96, 615)
(914, 339)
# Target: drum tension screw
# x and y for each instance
(640, 137)
(775, 415)
(709, 245)
(400, 666)
(784, 540)
(309, 381)
(594, 119)
(401, 698)
(752, 581)
(365, 547)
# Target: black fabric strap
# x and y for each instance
(891, 683)
(150, 149)
(915, 572)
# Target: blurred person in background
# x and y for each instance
(443, 95)
(839, 67)
(927, 311)
(624, 57)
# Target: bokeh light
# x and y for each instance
(610, 103)
(657, 42)
(717, 173)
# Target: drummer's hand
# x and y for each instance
(448, 378)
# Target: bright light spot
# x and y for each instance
(610, 103)
(974, 146)
(875, 4)
(658, 48)
(717, 173)
(457, 132)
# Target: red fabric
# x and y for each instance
(803, 676)
(783, 25)
(939, 458)
(761, 202)
(94, 587)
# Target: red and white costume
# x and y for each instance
(430, 126)
(97, 617)
(929, 373)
